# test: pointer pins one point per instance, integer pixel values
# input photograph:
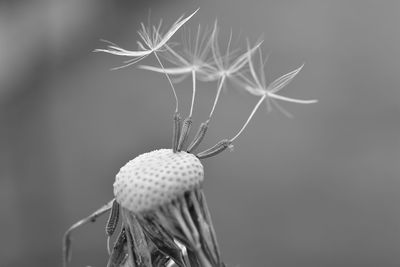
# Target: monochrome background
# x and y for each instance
(319, 190)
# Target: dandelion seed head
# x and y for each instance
(159, 193)
(155, 178)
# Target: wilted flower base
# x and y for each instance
(179, 233)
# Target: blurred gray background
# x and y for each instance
(321, 189)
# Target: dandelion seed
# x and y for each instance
(176, 132)
(193, 57)
(187, 124)
(192, 61)
(228, 66)
(258, 87)
(153, 41)
(201, 132)
(216, 149)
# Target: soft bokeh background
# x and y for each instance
(322, 189)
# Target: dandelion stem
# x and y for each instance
(170, 82)
(217, 96)
(250, 117)
(67, 236)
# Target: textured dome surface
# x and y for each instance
(155, 178)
